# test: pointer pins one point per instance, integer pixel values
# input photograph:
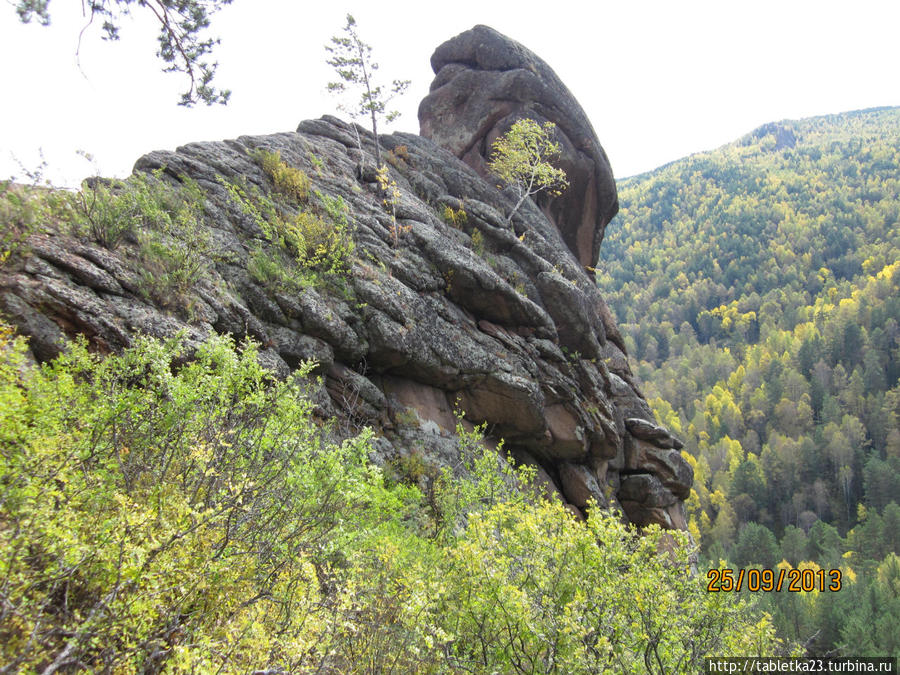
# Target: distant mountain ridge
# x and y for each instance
(786, 123)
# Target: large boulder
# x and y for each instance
(483, 83)
(441, 309)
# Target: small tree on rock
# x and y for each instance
(520, 158)
(352, 60)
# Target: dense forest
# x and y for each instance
(757, 287)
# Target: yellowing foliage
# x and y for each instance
(183, 514)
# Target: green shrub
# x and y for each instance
(478, 246)
(334, 207)
(17, 219)
(109, 211)
(158, 515)
(528, 584)
(481, 478)
(412, 468)
(269, 269)
(517, 584)
(318, 163)
(455, 218)
(408, 417)
(24, 210)
(174, 247)
(176, 250)
(181, 511)
(319, 245)
(317, 240)
(288, 180)
(398, 157)
(391, 195)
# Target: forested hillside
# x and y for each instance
(757, 286)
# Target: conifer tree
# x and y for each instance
(351, 59)
(182, 46)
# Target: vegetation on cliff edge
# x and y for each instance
(176, 510)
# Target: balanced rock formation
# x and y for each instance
(483, 83)
(441, 308)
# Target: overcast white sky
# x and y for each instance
(659, 80)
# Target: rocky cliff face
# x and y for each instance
(436, 312)
(483, 83)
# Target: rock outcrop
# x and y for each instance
(483, 83)
(437, 312)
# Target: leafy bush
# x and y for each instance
(271, 271)
(478, 245)
(175, 250)
(521, 159)
(288, 180)
(544, 593)
(178, 510)
(335, 208)
(412, 468)
(317, 241)
(455, 217)
(482, 478)
(24, 209)
(174, 247)
(398, 157)
(108, 211)
(390, 200)
(316, 161)
(151, 516)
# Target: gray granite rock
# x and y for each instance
(429, 315)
